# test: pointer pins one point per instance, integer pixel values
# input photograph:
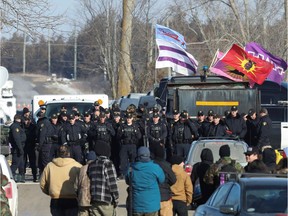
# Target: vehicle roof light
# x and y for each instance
(100, 101)
(41, 102)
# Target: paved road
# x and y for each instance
(32, 202)
(23, 90)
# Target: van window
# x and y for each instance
(55, 107)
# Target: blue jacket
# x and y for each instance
(145, 179)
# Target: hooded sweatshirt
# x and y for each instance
(58, 177)
(145, 180)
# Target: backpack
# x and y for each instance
(197, 193)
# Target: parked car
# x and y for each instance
(237, 149)
(136, 95)
(125, 102)
(265, 195)
(11, 188)
(148, 101)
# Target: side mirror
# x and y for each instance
(228, 209)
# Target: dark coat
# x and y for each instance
(236, 125)
(170, 179)
(199, 170)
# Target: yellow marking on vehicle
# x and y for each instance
(217, 103)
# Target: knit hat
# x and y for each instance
(269, 157)
(25, 110)
(224, 151)
(91, 156)
(143, 154)
(102, 148)
(175, 159)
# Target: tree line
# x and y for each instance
(207, 25)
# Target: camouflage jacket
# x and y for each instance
(213, 171)
(4, 203)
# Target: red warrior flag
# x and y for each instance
(255, 69)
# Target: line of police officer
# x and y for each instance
(125, 132)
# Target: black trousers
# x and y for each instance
(44, 156)
(127, 152)
(179, 208)
(17, 162)
(29, 154)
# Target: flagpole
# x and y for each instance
(215, 56)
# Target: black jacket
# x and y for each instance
(199, 170)
(236, 125)
(170, 179)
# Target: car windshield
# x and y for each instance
(55, 107)
(237, 150)
(125, 102)
(266, 199)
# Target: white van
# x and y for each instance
(54, 102)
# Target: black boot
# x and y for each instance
(22, 178)
(34, 178)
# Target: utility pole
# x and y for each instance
(24, 54)
(75, 55)
(49, 53)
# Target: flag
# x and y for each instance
(222, 69)
(279, 65)
(254, 68)
(172, 55)
(170, 35)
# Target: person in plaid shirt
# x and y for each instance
(103, 182)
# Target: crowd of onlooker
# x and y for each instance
(81, 156)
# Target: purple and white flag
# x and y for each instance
(279, 65)
(167, 34)
(174, 56)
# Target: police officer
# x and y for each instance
(54, 136)
(17, 138)
(183, 134)
(87, 124)
(170, 125)
(29, 149)
(264, 128)
(236, 124)
(115, 144)
(97, 106)
(62, 118)
(206, 124)
(48, 141)
(156, 132)
(217, 128)
(252, 121)
(102, 130)
(74, 136)
(129, 136)
(200, 120)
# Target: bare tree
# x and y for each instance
(125, 75)
(29, 16)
